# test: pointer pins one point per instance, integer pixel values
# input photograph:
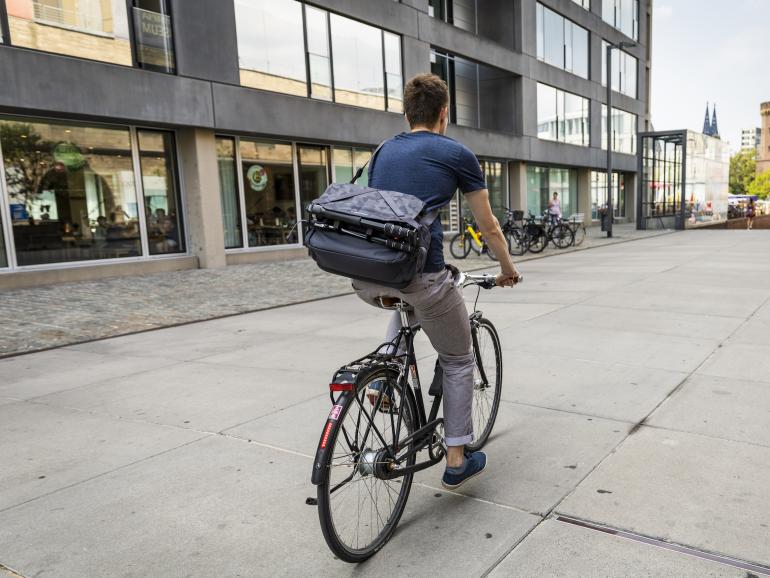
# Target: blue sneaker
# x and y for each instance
(473, 465)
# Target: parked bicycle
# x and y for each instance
(576, 223)
(518, 240)
(542, 230)
(368, 451)
(469, 238)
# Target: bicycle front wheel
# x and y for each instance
(562, 236)
(537, 242)
(517, 242)
(358, 509)
(580, 234)
(460, 246)
(487, 381)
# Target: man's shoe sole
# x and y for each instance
(455, 486)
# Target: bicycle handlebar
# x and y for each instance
(485, 281)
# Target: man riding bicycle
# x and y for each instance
(431, 166)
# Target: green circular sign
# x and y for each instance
(257, 177)
(69, 155)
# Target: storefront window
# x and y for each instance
(267, 173)
(624, 71)
(599, 193)
(153, 37)
(358, 69)
(561, 42)
(623, 131)
(271, 45)
(162, 207)
(495, 175)
(347, 161)
(542, 182)
(562, 116)
(3, 255)
(93, 29)
(71, 190)
(313, 173)
(317, 22)
(228, 193)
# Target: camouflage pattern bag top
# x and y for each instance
(368, 234)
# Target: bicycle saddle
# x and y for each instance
(388, 302)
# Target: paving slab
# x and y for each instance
(47, 448)
(29, 376)
(195, 395)
(739, 360)
(611, 390)
(546, 339)
(720, 407)
(568, 551)
(755, 330)
(537, 456)
(222, 507)
(694, 490)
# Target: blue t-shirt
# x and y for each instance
(431, 167)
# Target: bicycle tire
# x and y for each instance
(539, 243)
(517, 242)
(562, 236)
(580, 234)
(330, 512)
(460, 246)
(484, 410)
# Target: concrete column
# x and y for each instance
(630, 180)
(517, 172)
(198, 162)
(584, 194)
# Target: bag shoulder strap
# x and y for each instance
(360, 170)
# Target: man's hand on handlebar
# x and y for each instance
(508, 280)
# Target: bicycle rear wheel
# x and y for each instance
(460, 246)
(537, 242)
(357, 509)
(580, 234)
(562, 236)
(487, 381)
(517, 242)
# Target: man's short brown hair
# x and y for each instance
(424, 97)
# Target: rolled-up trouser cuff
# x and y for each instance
(459, 441)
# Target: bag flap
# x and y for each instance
(371, 203)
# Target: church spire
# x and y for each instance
(706, 124)
(714, 129)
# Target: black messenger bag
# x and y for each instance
(368, 234)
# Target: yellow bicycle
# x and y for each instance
(469, 238)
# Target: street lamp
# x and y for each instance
(610, 210)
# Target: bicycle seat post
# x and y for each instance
(403, 309)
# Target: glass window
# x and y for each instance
(542, 182)
(93, 29)
(562, 116)
(71, 190)
(561, 42)
(584, 3)
(599, 193)
(623, 130)
(271, 45)
(153, 37)
(495, 176)
(347, 161)
(358, 68)
(464, 14)
(3, 256)
(437, 9)
(228, 193)
(317, 22)
(313, 173)
(623, 15)
(624, 71)
(393, 77)
(267, 172)
(162, 207)
(461, 76)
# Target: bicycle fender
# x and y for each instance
(319, 473)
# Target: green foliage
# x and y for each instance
(743, 171)
(26, 157)
(760, 186)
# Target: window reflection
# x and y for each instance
(561, 42)
(271, 46)
(93, 29)
(623, 130)
(228, 193)
(162, 208)
(267, 173)
(313, 173)
(71, 191)
(624, 71)
(317, 22)
(562, 116)
(347, 161)
(461, 77)
(542, 182)
(599, 193)
(393, 76)
(153, 38)
(3, 255)
(623, 15)
(358, 72)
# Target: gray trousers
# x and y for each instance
(439, 308)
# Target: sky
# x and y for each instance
(710, 50)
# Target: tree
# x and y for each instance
(27, 160)
(743, 170)
(760, 186)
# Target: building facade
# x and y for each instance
(763, 156)
(750, 139)
(149, 135)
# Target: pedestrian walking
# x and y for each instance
(750, 215)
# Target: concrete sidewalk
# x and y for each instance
(636, 396)
(43, 317)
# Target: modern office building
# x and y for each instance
(750, 139)
(763, 156)
(148, 135)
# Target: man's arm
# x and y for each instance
(478, 201)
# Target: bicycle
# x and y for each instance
(577, 224)
(469, 238)
(546, 229)
(367, 453)
(518, 240)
